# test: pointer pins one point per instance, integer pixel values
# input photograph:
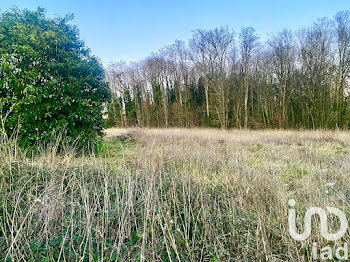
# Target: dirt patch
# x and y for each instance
(130, 136)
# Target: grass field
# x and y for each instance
(172, 195)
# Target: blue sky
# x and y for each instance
(130, 30)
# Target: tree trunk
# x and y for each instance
(246, 92)
(206, 98)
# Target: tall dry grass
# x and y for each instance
(171, 195)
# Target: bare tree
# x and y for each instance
(342, 30)
(116, 76)
(283, 53)
(211, 50)
(317, 73)
(249, 41)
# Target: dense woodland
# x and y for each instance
(219, 78)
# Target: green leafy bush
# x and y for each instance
(49, 81)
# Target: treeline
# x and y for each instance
(294, 79)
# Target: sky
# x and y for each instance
(130, 30)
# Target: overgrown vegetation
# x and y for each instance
(171, 195)
(49, 81)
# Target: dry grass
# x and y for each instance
(172, 195)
